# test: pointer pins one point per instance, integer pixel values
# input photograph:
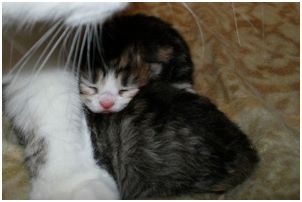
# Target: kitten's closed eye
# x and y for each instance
(128, 92)
(123, 91)
(88, 90)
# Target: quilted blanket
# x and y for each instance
(246, 58)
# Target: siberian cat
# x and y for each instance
(45, 108)
(149, 130)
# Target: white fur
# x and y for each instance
(72, 13)
(49, 106)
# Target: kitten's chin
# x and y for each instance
(110, 111)
(94, 107)
(106, 111)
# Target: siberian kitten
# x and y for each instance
(168, 142)
(134, 50)
(152, 134)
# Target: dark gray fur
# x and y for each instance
(35, 154)
(168, 142)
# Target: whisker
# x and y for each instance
(46, 49)
(77, 49)
(20, 65)
(196, 19)
(63, 49)
(249, 21)
(27, 56)
(89, 41)
(82, 50)
(262, 20)
(236, 26)
(51, 51)
(99, 47)
(11, 52)
(17, 46)
(72, 48)
(218, 36)
(94, 46)
(68, 46)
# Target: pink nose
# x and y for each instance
(107, 100)
(107, 104)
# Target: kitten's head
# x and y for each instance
(111, 87)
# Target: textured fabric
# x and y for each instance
(246, 58)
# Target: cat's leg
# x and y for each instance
(47, 110)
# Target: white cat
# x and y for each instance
(47, 110)
(72, 14)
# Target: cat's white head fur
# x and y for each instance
(71, 13)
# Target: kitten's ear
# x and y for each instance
(155, 69)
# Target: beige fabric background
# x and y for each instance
(246, 58)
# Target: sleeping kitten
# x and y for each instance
(134, 50)
(162, 140)
(169, 142)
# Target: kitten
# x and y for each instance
(169, 142)
(134, 50)
(162, 140)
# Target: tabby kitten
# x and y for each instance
(134, 50)
(162, 140)
(168, 142)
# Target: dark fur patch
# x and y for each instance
(35, 151)
(139, 42)
(169, 142)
